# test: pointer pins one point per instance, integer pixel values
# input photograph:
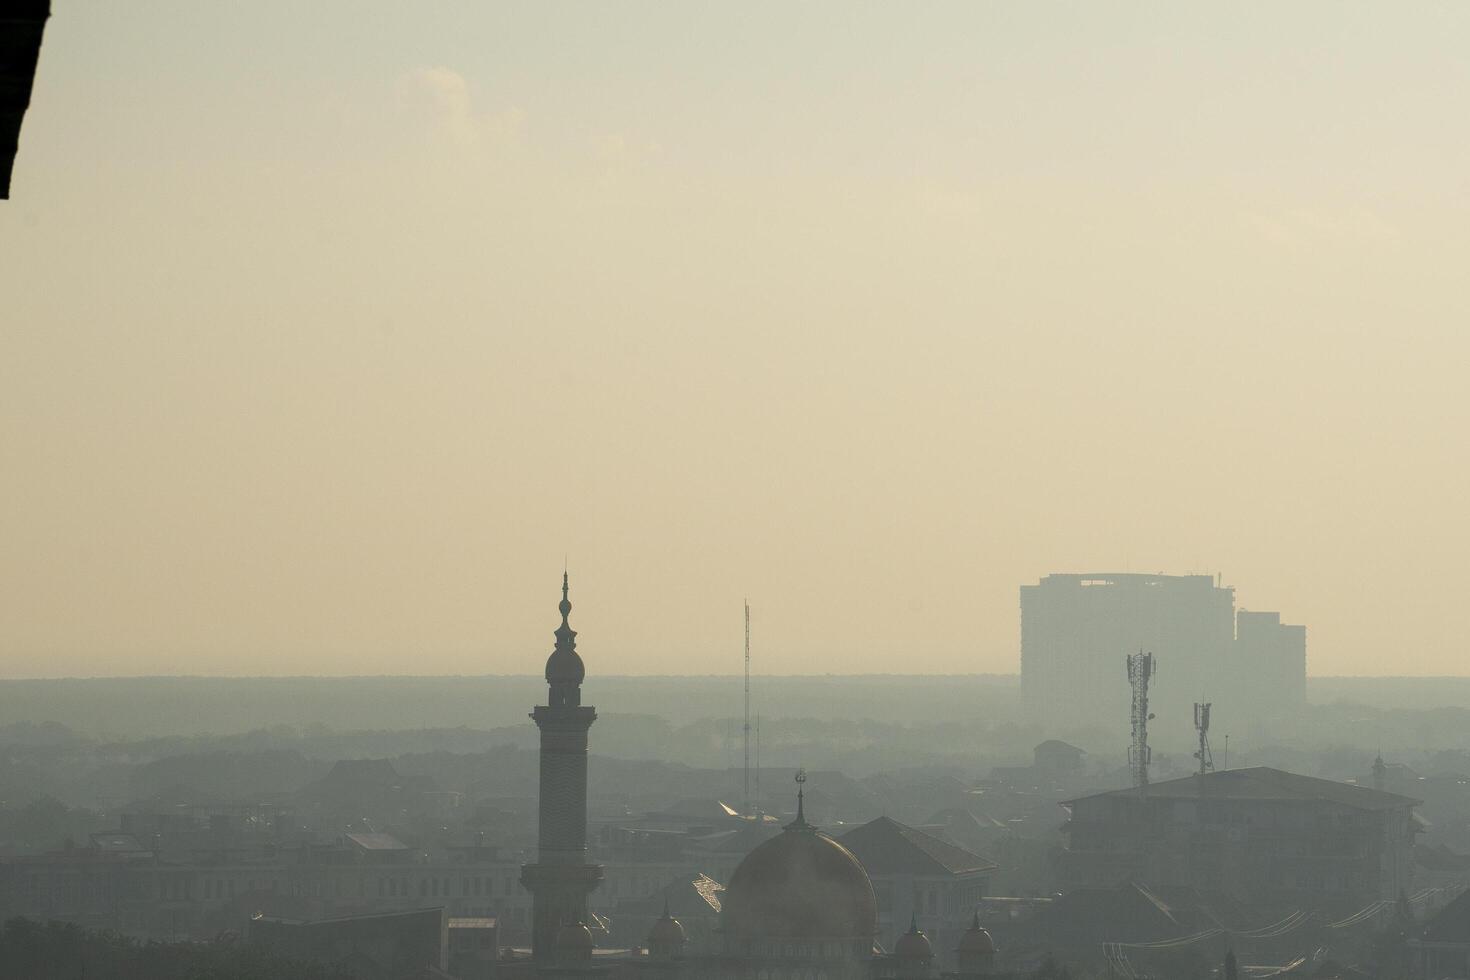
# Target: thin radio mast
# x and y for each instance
(747, 705)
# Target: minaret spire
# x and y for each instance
(565, 607)
(564, 668)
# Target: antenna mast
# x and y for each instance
(747, 705)
(1202, 725)
(1140, 670)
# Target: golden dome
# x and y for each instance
(800, 884)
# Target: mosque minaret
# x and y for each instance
(562, 878)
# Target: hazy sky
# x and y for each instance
(330, 328)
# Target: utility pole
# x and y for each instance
(1140, 670)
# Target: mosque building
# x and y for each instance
(800, 906)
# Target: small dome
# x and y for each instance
(666, 932)
(574, 936)
(913, 945)
(565, 667)
(800, 884)
(976, 939)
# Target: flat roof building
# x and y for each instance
(1257, 835)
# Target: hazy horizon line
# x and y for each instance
(1015, 675)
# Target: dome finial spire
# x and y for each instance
(566, 637)
(800, 822)
(566, 604)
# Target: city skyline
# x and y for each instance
(541, 490)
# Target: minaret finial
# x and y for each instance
(564, 670)
(914, 921)
(800, 822)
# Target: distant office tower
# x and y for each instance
(1077, 630)
(1271, 659)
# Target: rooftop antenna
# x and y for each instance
(1140, 669)
(1202, 725)
(747, 705)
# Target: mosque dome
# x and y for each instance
(800, 884)
(913, 945)
(976, 939)
(667, 935)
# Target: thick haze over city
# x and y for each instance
(745, 491)
(332, 329)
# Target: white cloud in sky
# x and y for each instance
(443, 96)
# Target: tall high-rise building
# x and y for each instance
(1271, 659)
(1077, 630)
(562, 878)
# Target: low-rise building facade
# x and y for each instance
(1258, 834)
